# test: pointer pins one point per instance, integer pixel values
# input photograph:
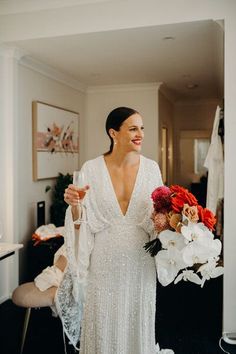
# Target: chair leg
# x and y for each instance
(26, 322)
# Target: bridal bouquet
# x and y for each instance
(185, 248)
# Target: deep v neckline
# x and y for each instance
(113, 189)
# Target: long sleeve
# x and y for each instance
(71, 294)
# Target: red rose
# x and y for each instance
(181, 196)
(177, 189)
(207, 217)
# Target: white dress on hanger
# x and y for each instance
(110, 288)
(214, 162)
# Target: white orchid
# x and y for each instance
(170, 238)
(201, 249)
(188, 275)
(201, 244)
(169, 263)
(194, 231)
(210, 270)
(196, 244)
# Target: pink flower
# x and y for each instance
(160, 221)
(161, 199)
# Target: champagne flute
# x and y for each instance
(79, 181)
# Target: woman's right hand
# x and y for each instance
(73, 196)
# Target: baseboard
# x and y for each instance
(4, 298)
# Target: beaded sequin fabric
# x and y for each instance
(109, 288)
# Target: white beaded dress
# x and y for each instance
(109, 289)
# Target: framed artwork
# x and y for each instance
(55, 140)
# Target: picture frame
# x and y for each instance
(55, 132)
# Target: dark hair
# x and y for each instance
(115, 119)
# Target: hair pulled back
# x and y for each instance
(115, 119)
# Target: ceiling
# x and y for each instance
(187, 57)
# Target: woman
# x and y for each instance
(120, 277)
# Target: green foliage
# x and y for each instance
(58, 207)
(47, 188)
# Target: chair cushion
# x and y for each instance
(28, 295)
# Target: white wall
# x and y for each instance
(101, 100)
(229, 304)
(9, 164)
(34, 86)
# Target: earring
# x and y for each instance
(115, 142)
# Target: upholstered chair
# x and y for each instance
(29, 296)
(41, 292)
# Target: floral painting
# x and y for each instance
(55, 141)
